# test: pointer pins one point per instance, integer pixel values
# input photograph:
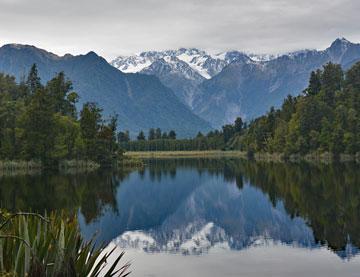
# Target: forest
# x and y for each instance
(40, 123)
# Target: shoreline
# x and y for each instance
(267, 157)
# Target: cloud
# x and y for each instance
(112, 27)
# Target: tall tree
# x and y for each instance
(238, 124)
(141, 136)
(39, 127)
(158, 133)
(151, 135)
(172, 134)
(314, 83)
(60, 91)
(33, 80)
(90, 124)
(331, 81)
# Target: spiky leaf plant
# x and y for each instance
(35, 245)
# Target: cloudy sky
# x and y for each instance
(113, 27)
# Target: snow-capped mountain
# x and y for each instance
(201, 62)
(181, 70)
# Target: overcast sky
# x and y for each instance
(113, 27)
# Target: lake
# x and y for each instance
(211, 217)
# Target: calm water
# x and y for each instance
(221, 217)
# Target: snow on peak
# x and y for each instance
(262, 57)
(205, 64)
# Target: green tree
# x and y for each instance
(33, 81)
(331, 81)
(39, 127)
(238, 124)
(158, 133)
(141, 136)
(314, 83)
(90, 124)
(172, 134)
(151, 135)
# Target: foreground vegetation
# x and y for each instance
(33, 245)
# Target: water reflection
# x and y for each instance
(194, 206)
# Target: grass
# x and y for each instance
(130, 161)
(78, 164)
(267, 157)
(186, 154)
(20, 165)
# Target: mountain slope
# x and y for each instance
(250, 89)
(140, 100)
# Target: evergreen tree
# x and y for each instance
(151, 135)
(141, 136)
(33, 82)
(314, 83)
(238, 124)
(331, 81)
(124, 136)
(172, 134)
(39, 127)
(90, 124)
(158, 133)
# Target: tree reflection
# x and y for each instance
(89, 192)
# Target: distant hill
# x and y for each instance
(141, 101)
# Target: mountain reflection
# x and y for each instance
(193, 205)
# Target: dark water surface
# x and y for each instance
(214, 217)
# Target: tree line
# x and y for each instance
(40, 122)
(163, 141)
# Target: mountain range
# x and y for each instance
(223, 86)
(188, 89)
(141, 101)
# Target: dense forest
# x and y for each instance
(40, 122)
(324, 118)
